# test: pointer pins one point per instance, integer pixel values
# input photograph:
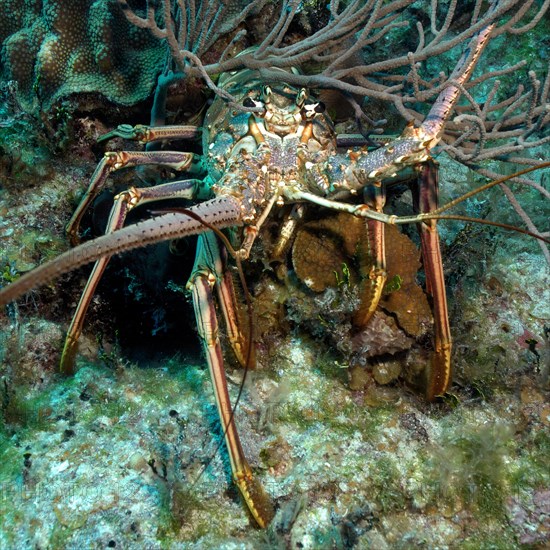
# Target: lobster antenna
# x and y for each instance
(485, 222)
(436, 214)
(248, 300)
(488, 186)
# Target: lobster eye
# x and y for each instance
(319, 107)
(249, 102)
(301, 97)
(312, 109)
(266, 92)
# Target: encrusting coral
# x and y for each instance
(59, 47)
(408, 302)
(322, 248)
(335, 250)
(331, 256)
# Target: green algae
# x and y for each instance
(385, 482)
(11, 458)
(493, 537)
(24, 412)
(470, 467)
(60, 536)
(531, 469)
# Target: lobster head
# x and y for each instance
(283, 109)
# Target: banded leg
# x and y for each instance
(124, 202)
(285, 239)
(287, 233)
(207, 272)
(149, 134)
(238, 324)
(373, 284)
(425, 199)
(123, 159)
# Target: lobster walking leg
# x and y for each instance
(238, 329)
(66, 365)
(148, 134)
(115, 161)
(425, 199)
(207, 272)
(375, 198)
(124, 202)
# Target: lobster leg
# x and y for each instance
(425, 199)
(115, 161)
(375, 198)
(207, 272)
(287, 233)
(124, 202)
(148, 134)
(241, 340)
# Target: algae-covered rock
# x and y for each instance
(129, 452)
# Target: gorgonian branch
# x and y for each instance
(488, 126)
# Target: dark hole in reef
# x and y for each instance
(151, 311)
(155, 317)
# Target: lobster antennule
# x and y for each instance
(219, 212)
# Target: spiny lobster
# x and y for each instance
(282, 150)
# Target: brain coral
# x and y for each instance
(53, 48)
